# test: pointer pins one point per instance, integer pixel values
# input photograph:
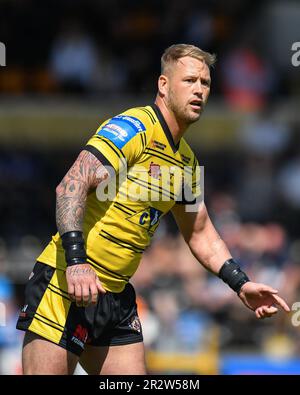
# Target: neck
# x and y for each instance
(177, 128)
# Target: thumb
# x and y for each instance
(99, 286)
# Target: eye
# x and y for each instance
(205, 83)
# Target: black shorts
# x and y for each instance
(49, 312)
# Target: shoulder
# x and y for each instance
(140, 117)
(123, 127)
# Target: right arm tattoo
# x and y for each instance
(86, 173)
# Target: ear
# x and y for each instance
(163, 83)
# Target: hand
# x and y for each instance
(262, 299)
(83, 284)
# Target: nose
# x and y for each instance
(198, 89)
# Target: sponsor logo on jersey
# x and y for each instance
(116, 130)
(24, 308)
(157, 144)
(23, 311)
(80, 336)
(139, 126)
(121, 129)
(154, 170)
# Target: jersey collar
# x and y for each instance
(165, 128)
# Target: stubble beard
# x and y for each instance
(181, 113)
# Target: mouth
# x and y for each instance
(196, 104)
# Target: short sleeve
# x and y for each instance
(119, 142)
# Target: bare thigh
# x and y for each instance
(40, 356)
(113, 360)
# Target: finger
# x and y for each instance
(258, 313)
(99, 286)
(85, 294)
(266, 288)
(71, 292)
(269, 310)
(279, 301)
(78, 295)
(94, 293)
(262, 313)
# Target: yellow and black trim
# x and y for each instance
(98, 266)
(123, 208)
(113, 147)
(121, 243)
(148, 112)
(105, 162)
(151, 187)
(165, 128)
(47, 321)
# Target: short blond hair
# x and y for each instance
(173, 53)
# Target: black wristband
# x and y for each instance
(73, 244)
(232, 275)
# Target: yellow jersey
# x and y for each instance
(148, 175)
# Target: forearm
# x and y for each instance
(208, 247)
(71, 194)
(212, 252)
(71, 198)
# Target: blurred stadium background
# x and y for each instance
(72, 63)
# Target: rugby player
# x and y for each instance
(79, 303)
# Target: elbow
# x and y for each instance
(193, 243)
(198, 240)
(199, 249)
